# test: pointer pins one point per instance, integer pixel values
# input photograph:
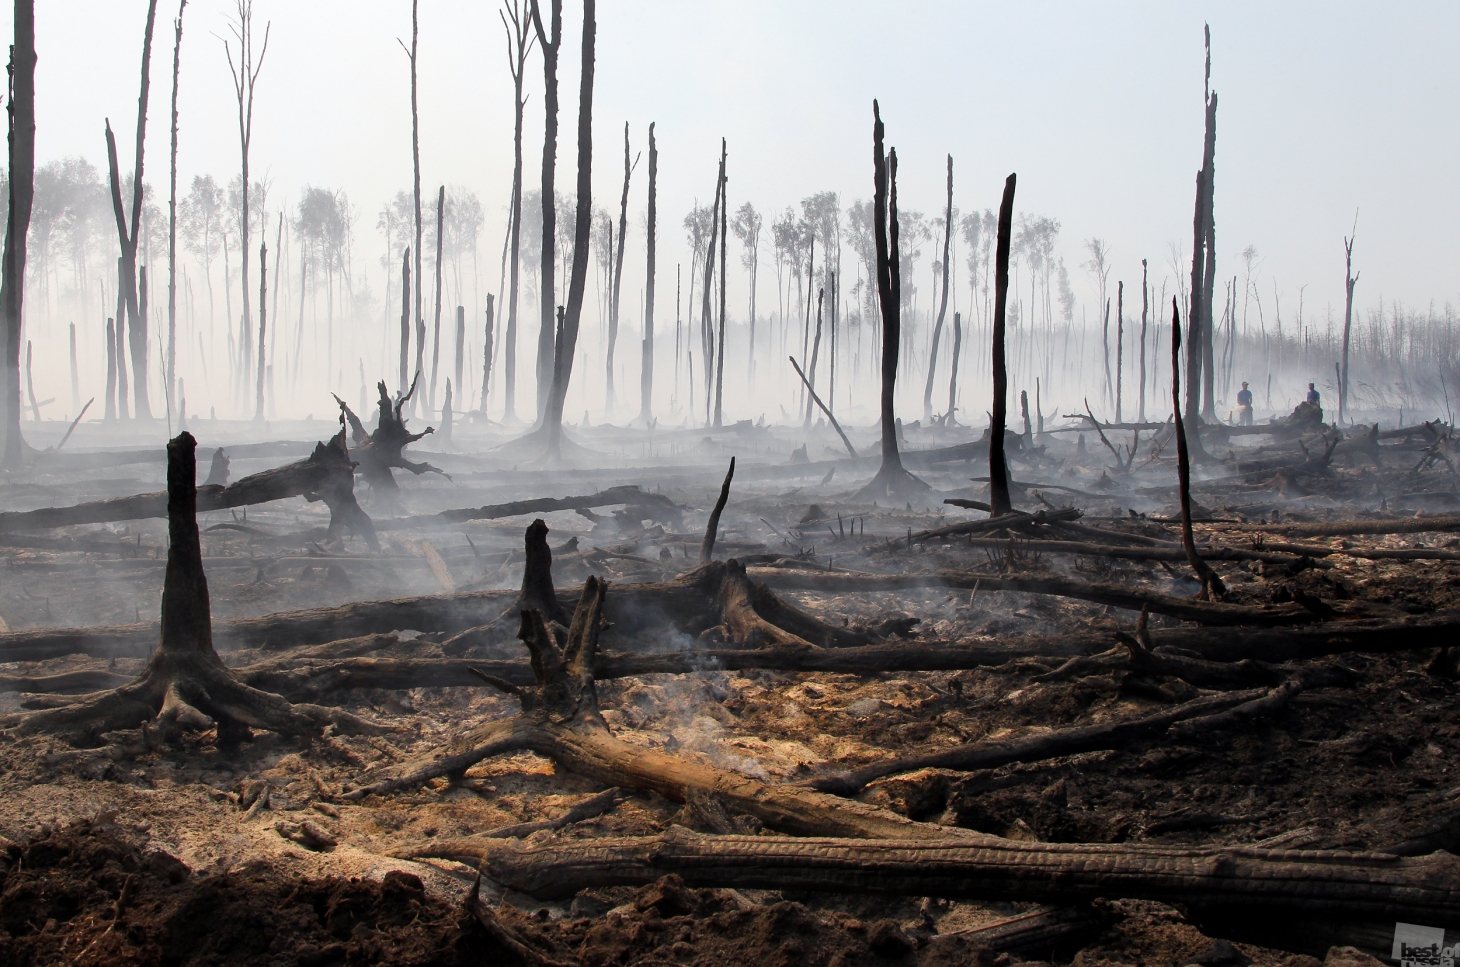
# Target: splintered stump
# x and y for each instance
(381, 450)
(186, 685)
(560, 719)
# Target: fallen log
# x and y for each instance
(1115, 595)
(658, 505)
(1015, 519)
(324, 475)
(560, 719)
(1345, 528)
(1362, 885)
(1208, 552)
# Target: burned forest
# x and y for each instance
(952, 591)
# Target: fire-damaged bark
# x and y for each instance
(381, 450)
(185, 685)
(560, 719)
(1372, 886)
(327, 474)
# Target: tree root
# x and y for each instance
(186, 685)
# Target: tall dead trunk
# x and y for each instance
(21, 142)
(646, 366)
(724, 248)
(998, 466)
(1119, 347)
(111, 371)
(518, 43)
(707, 345)
(487, 357)
(461, 353)
(1350, 280)
(1145, 308)
(942, 301)
(1209, 275)
(436, 324)
(618, 269)
(258, 412)
(245, 77)
(171, 388)
(1193, 320)
(949, 420)
(405, 314)
(811, 399)
(563, 356)
(75, 376)
(892, 480)
(121, 343)
(546, 337)
(1211, 584)
(416, 188)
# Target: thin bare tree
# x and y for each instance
(171, 387)
(20, 106)
(416, 187)
(245, 77)
(618, 267)
(519, 43)
(136, 319)
(646, 371)
(942, 302)
(998, 466)
(892, 480)
(1350, 280)
(550, 40)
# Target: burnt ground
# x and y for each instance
(154, 860)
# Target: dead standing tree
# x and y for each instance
(1350, 280)
(892, 481)
(136, 319)
(646, 371)
(942, 302)
(519, 42)
(245, 77)
(436, 325)
(171, 388)
(185, 685)
(998, 466)
(618, 268)
(547, 333)
(1211, 585)
(21, 143)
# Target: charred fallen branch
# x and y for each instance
(327, 474)
(185, 685)
(1373, 886)
(651, 505)
(560, 719)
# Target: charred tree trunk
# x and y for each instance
(21, 142)
(707, 343)
(942, 301)
(1119, 347)
(1211, 584)
(405, 315)
(646, 366)
(724, 249)
(618, 272)
(111, 372)
(998, 466)
(950, 419)
(258, 413)
(461, 357)
(1350, 280)
(416, 187)
(1145, 308)
(892, 480)
(563, 357)
(487, 358)
(171, 388)
(547, 331)
(1209, 274)
(518, 43)
(185, 685)
(436, 325)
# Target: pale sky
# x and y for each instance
(1325, 109)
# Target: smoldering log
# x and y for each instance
(656, 505)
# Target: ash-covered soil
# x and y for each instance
(175, 857)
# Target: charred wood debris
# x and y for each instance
(1033, 722)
